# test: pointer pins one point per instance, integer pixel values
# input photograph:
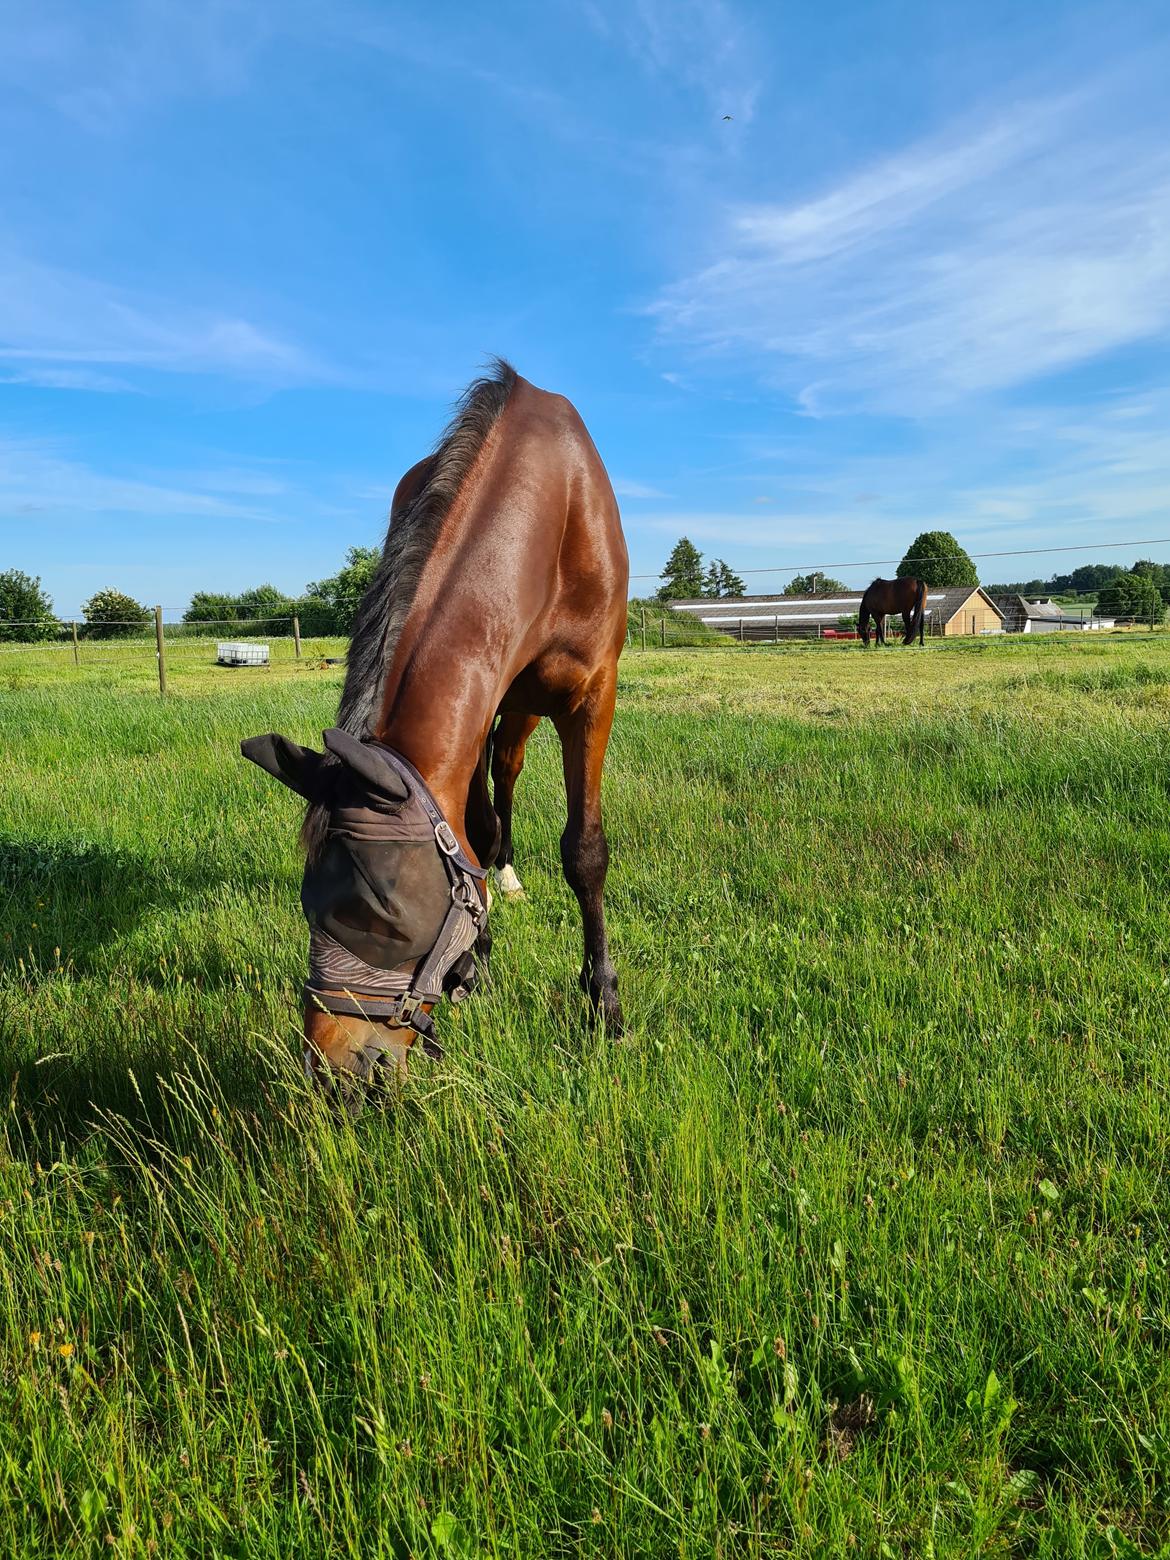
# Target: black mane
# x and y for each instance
(409, 540)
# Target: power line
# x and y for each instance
(873, 563)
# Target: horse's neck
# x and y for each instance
(440, 700)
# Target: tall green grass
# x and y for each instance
(856, 1243)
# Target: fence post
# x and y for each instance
(643, 628)
(776, 629)
(162, 655)
(664, 630)
(297, 636)
(76, 657)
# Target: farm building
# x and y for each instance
(1044, 617)
(963, 610)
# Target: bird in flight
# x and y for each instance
(726, 117)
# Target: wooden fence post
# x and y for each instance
(297, 636)
(643, 628)
(76, 657)
(741, 631)
(664, 630)
(776, 629)
(162, 655)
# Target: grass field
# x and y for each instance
(855, 1244)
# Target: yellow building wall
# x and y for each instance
(977, 617)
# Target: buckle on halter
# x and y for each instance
(445, 835)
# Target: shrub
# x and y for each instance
(26, 611)
(111, 614)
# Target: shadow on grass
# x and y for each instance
(65, 907)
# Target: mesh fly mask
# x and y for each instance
(392, 900)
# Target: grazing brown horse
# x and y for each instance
(906, 595)
(500, 598)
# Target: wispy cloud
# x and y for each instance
(101, 66)
(51, 317)
(624, 488)
(69, 379)
(1039, 475)
(37, 480)
(706, 46)
(969, 262)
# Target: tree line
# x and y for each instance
(934, 556)
(325, 607)
(1142, 591)
(1138, 591)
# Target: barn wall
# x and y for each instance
(986, 619)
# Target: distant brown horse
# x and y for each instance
(907, 596)
(500, 598)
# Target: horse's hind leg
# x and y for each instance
(908, 627)
(511, 736)
(584, 733)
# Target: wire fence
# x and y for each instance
(155, 653)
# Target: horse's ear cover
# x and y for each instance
(294, 766)
(300, 768)
(367, 762)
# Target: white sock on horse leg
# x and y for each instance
(510, 885)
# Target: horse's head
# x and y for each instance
(391, 901)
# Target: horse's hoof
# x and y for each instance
(510, 885)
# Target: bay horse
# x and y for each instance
(500, 599)
(906, 595)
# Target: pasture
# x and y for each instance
(855, 1243)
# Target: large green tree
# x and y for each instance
(209, 606)
(721, 580)
(815, 585)
(937, 558)
(264, 601)
(328, 606)
(112, 614)
(1158, 572)
(682, 578)
(1131, 596)
(26, 612)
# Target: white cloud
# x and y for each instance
(967, 263)
(69, 379)
(50, 316)
(35, 480)
(1037, 476)
(627, 489)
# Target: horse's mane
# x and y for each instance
(409, 540)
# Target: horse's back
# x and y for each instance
(548, 488)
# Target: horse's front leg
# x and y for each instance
(584, 849)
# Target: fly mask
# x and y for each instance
(392, 900)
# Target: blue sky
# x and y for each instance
(250, 252)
